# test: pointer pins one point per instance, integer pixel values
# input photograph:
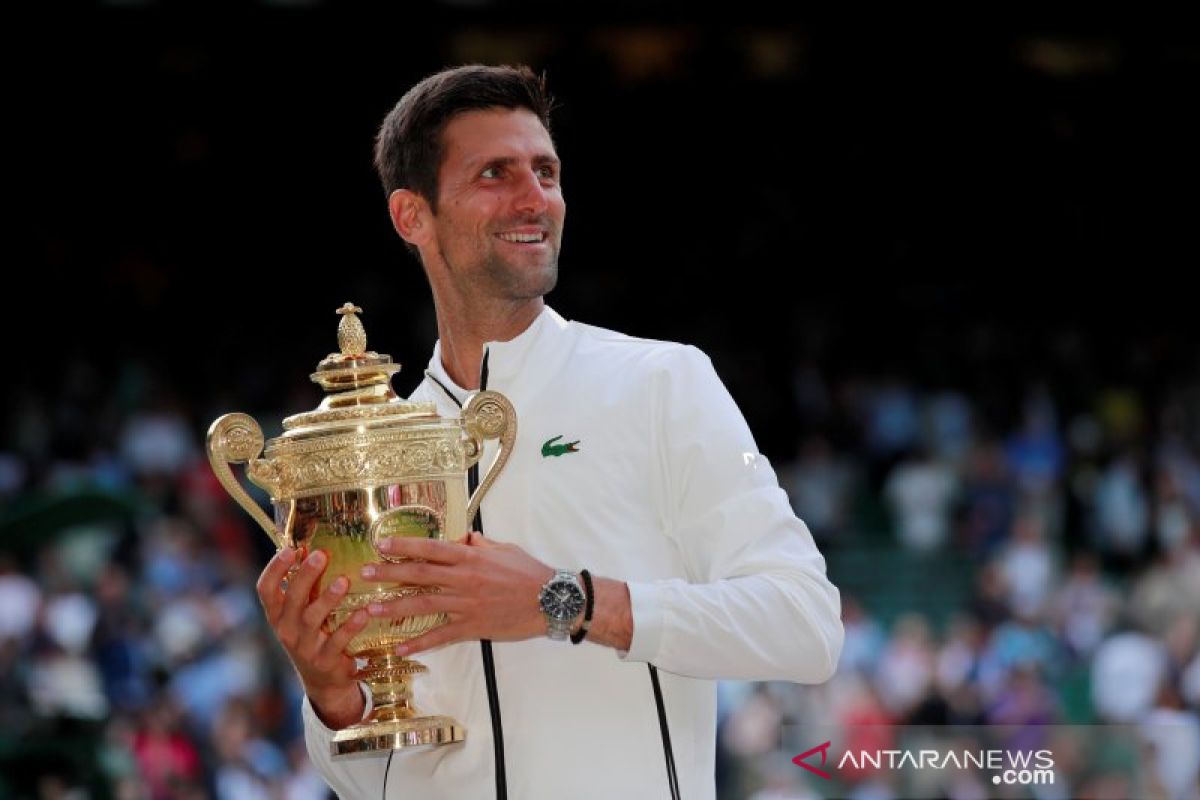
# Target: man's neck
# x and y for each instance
(463, 331)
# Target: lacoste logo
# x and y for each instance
(552, 449)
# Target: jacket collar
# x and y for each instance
(520, 366)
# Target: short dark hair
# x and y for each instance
(408, 149)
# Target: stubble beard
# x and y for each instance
(489, 275)
(513, 282)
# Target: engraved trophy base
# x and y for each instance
(394, 723)
(373, 736)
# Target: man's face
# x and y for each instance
(500, 208)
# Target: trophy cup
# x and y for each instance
(362, 467)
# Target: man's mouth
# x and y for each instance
(535, 237)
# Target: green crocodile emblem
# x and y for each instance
(552, 449)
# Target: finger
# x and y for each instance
(433, 550)
(417, 605)
(443, 634)
(335, 646)
(326, 602)
(299, 590)
(414, 573)
(269, 586)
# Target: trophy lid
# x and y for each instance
(358, 385)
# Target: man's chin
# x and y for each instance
(527, 281)
(549, 278)
(539, 288)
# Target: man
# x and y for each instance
(631, 461)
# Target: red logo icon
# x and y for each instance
(823, 749)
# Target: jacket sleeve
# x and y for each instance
(756, 604)
(354, 777)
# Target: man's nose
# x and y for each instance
(531, 194)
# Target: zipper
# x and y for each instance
(485, 645)
(668, 752)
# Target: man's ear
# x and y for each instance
(410, 216)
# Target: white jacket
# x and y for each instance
(667, 492)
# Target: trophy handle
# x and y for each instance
(235, 439)
(488, 415)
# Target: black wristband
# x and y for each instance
(589, 606)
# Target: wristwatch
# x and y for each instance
(561, 599)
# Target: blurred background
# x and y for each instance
(946, 268)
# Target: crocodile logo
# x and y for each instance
(552, 449)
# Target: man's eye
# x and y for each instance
(547, 172)
(490, 172)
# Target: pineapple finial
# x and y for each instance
(352, 338)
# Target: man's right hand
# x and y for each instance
(326, 672)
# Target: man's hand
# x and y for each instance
(296, 617)
(488, 590)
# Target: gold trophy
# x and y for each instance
(364, 466)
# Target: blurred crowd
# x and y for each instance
(134, 657)
(135, 662)
(1082, 537)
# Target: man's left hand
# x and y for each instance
(488, 590)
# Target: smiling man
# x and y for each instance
(638, 546)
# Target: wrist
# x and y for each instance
(612, 619)
(338, 707)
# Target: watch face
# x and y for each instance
(562, 600)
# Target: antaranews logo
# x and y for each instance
(823, 749)
(1012, 767)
